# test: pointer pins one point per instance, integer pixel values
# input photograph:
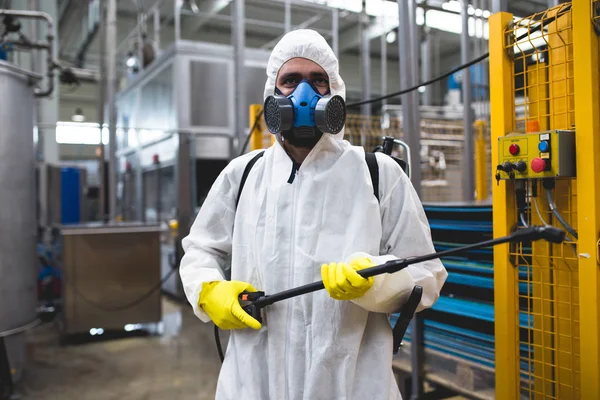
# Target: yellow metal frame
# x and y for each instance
(258, 140)
(572, 95)
(506, 308)
(481, 161)
(587, 120)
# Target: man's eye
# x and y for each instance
(290, 81)
(321, 82)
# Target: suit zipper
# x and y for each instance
(295, 172)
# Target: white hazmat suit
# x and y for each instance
(310, 347)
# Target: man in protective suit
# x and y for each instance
(308, 212)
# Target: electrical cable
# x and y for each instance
(559, 217)
(20, 329)
(537, 210)
(256, 122)
(426, 83)
(460, 67)
(523, 219)
(521, 197)
(130, 304)
(218, 341)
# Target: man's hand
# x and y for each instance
(219, 299)
(343, 282)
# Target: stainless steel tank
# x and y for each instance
(17, 208)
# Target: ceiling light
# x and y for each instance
(391, 36)
(78, 116)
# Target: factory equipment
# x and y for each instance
(536, 155)
(176, 132)
(17, 205)
(67, 194)
(545, 101)
(110, 274)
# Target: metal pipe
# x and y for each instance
(383, 51)
(409, 128)
(140, 36)
(101, 103)
(426, 68)
(86, 75)
(49, 49)
(111, 79)
(177, 13)
(415, 49)
(31, 15)
(436, 70)
(288, 15)
(26, 44)
(426, 7)
(157, 30)
(312, 20)
(301, 4)
(239, 43)
(335, 31)
(366, 73)
(33, 6)
(228, 18)
(499, 5)
(468, 187)
(414, 76)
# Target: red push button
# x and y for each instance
(538, 165)
(513, 149)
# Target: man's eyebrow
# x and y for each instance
(318, 75)
(289, 75)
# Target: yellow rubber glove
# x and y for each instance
(343, 282)
(219, 299)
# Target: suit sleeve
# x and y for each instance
(207, 248)
(405, 233)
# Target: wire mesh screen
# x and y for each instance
(543, 58)
(542, 49)
(441, 152)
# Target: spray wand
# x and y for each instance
(254, 302)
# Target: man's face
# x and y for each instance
(296, 69)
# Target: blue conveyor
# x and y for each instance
(461, 323)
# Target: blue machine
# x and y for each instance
(5, 49)
(479, 86)
(71, 190)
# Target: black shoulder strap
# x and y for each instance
(374, 171)
(245, 175)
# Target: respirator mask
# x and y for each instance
(305, 115)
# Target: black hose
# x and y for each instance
(130, 304)
(21, 329)
(559, 217)
(218, 341)
(460, 67)
(429, 82)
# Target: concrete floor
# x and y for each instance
(181, 364)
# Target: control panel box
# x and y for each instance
(547, 154)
